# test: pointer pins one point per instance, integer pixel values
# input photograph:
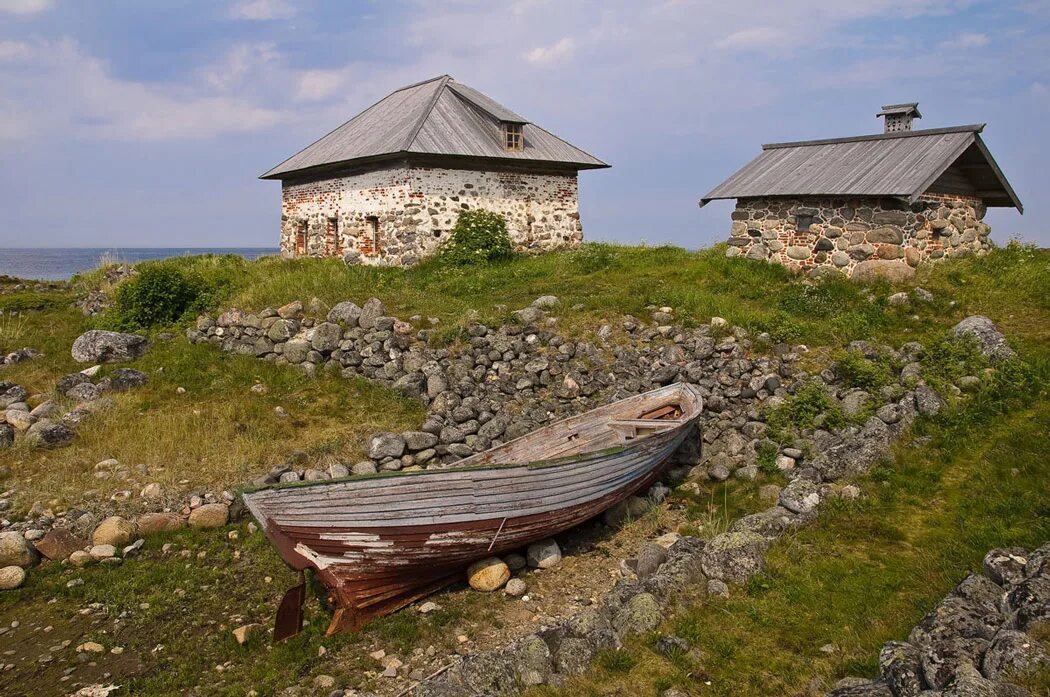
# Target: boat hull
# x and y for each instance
(381, 543)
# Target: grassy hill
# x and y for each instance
(862, 574)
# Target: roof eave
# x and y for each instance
(999, 174)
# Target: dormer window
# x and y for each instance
(512, 136)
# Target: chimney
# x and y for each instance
(899, 116)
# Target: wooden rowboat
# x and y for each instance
(379, 542)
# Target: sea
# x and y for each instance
(62, 263)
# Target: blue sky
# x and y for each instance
(125, 123)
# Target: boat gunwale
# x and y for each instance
(249, 490)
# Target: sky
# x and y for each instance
(146, 124)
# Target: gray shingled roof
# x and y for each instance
(903, 164)
(436, 117)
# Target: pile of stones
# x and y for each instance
(22, 354)
(78, 538)
(976, 640)
(661, 574)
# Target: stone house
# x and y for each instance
(387, 186)
(867, 204)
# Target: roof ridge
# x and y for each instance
(971, 128)
(426, 112)
(421, 82)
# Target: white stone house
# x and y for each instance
(387, 186)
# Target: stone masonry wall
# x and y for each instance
(843, 233)
(414, 209)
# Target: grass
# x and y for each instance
(863, 574)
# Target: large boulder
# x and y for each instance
(11, 577)
(98, 346)
(114, 531)
(734, 556)
(993, 344)
(875, 269)
(48, 434)
(372, 311)
(488, 574)
(210, 515)
(543, 554)
(15, 551)
(346, 313)
(386, 445)
(59, 543)
(1013, 653)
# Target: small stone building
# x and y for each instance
(868, 202)
(387, 186)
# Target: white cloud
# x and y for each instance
(259, 10)
(60, 89)
(752, 38)
(318, 85)
(13, 50)
(546, 55)
(25, 7)
(967, 40)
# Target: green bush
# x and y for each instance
(479, 237)
(160, 294)
(951, 357)
(808, 407)
(858, 371)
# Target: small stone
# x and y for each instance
(90, 647)
(717, 588)
(428, 607)
(516, 588)
(100, 552)
(244, 633)
(80, 559)
(543, 554)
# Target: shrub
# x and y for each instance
(160, 294)
(806, 408)
(767, 458)
(479, 237)
(858, 371)
(951, 357)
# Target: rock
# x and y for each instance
(900, 666)
(419, 440)
(717, 588)
(80, 559)
(667, 540)
(515, 562)
(338, 471)
(152, 492)
(386, 445)
(58, 544)
(15, 551)
(488, 575)
(529, 315)
(90, 647)
(1006, 566)
(364, 467)
(244, 633)
(734, 556)
(1031, 601)
(428, 607)
(863, 688)
(98, 346)
(210, 515)
(672, 645)
(516, 588)
(346, 313)
(993, 344)
(372, 310)
(800, 496)
(153, 523)
(48, 434)
(1013, 653)
(124, 379)
(326, 337)
(100, 552)
(114, 531)
(11, 577)
(543, 554)
(545, 301)
(927, 401)
(875, 269)
(642, 613)
(293, 310)
(650, 558)
(628, 509)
